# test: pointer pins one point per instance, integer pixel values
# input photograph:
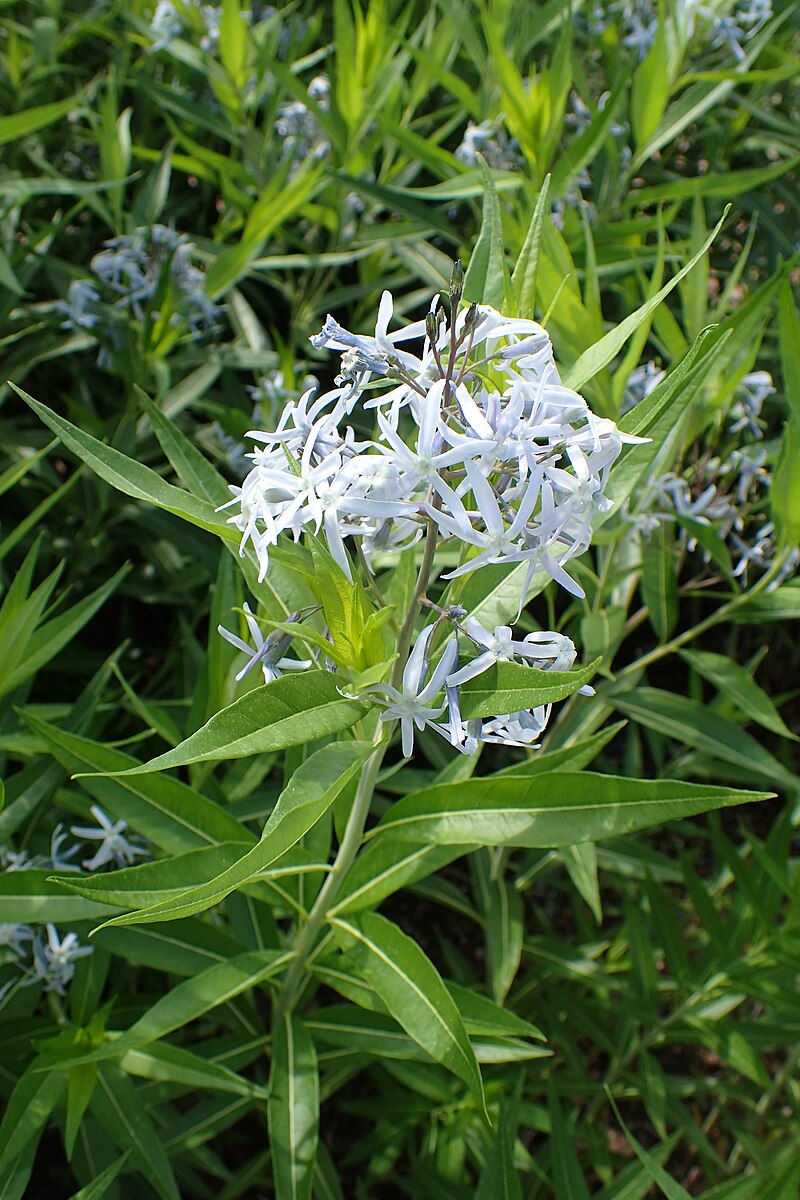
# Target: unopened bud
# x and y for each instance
(456, 286)
(431, 328)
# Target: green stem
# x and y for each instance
(357, 818)
(353, 833)
(420, 588)
(688, 635)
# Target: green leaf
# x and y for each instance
(784, 494)
(486, 279)
(149, 883)
(574, 757)
(174, 1064)
(131, 477)
(696, 725)
(736, 683)
(28, 897)
(170, 813)
(293, 1109)
(16, 1177)
(193, 998)
(311, 790)
(659, 582)
(499, 1179)
(378, 1035)
(581, 863)
(666, 1183)
(781, 605)
(52, 636)
(504, 928)
(176, 947)
(276, 205)
(557, 809)
(483, 1017)
(723, 184)
(659, 417)
(523, 277)
(707, 537)
(511, 687)
(601, 353)
(568, 1177)
(188, 1001)
(789, 340)
(194, 470)
(700, 97)
(650, 90)
(233, 42)
(19, 125)
(119, 1108)
(99, 1186)
(290, 711)
(387, 865)
(27, 1111)
(81, 1082)
(413, 992)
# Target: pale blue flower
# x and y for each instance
(415, 703)
(54, 960)
(114, 846)
(268, 653)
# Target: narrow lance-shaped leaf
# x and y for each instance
(413, 992)
(188, 1001)
(289, 711)
(784, 493)
(30, 897)
(19, 125)
(118, 1106)
(552, 810)
(310, 792)
(131, 477)
(599, 355)
(523, 278)
(99, 1186)
(504, 926)
(293, 1109)
(486, 280)
(789, 326)
(511, 687)
(165, 1063)
(168, 812)
(698, 726)
(736, 683)
(28, 1109)
(150, 883)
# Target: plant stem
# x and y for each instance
(688, 635)
(420, 588)
(354, 831)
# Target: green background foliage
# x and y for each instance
(556, 998)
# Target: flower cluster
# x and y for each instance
(478, 439)
(478, 445)
(171, 20)
(724, 491)
(489, 139)
(151, 266)
(426, 693)
(41, 956)
(297, 125)
(113, 847)
(698, 24)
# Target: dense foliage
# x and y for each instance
(516, 585)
